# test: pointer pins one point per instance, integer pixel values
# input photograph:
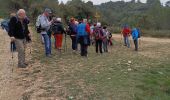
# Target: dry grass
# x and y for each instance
(110, 76)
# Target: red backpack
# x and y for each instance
(98, 33)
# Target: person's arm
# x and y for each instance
(11, 32)
(88, 29)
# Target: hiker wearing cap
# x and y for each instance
(126, 34)
(98, 34)
(135, 36)
(18, 31)
(82, 36)
(73, 33)
(45, 27)
(58, 30)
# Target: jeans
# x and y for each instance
(47, 43)
(83, 45)
(136, 44)
(105, 43)
(99, 46)
(126, 41)
(74, 42)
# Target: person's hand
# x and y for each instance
(29, 34)
(12, 39)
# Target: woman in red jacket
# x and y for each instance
(126, 33)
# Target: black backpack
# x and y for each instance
(38, 24)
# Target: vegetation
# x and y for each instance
(150, 15)
(118, 75)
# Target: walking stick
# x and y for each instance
(121, 37)
(131, 42)
(65, 43)
(30, 47)
(12, 55)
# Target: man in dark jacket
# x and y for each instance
(18, 31)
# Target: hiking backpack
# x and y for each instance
(98, 33)
(38, 24)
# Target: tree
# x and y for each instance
(167, 4)
(154, 2)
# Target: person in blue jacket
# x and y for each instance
(82, 36)
(135, 36)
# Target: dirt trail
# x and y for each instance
(147, 39)
(8, 88)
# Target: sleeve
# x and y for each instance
(12, 23)
(27, 29)
(88, 29)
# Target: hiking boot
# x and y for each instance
(49, 55)
(22, 66)
(26, 64)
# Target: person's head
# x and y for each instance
(47, 12)
(104, 27)
(76, 22)
(72, 20)
(98, 24)
(126, 26)
(58, 19)
(95, 25)
(21, 14)
(80, 21)
(85, 21)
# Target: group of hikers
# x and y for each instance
(127, 32)
(80, 31)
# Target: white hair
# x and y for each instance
(98, 24)
(21, 11)
(59, 19)
(76, 22)
(85, 20)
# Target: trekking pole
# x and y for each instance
(12, 55)
(30, 50)
(65, 43)
(121, 37)
(30, 47)
(130, 39)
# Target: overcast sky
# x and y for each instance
(101, 1)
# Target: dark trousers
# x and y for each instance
(136, 44)
(99, 46)
(74, 42)
(83, 45)
(83, 50)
